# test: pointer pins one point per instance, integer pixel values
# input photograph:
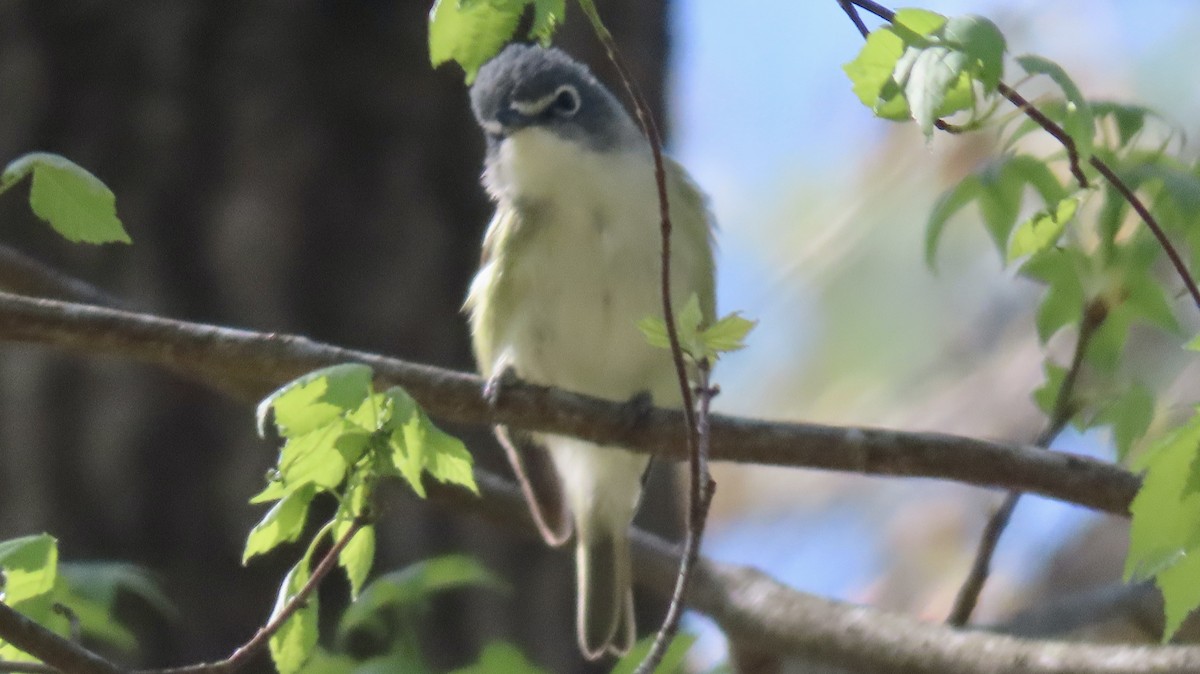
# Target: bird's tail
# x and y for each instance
(605, 610)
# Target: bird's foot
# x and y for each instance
(495, 385)
(635, 410)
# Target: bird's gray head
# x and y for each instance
(527, 86)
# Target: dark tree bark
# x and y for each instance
(288, 166)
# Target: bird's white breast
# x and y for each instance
(587, 268)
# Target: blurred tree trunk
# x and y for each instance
(285, 166)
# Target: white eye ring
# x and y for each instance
(563, 102)
(566, 100)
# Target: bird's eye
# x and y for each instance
(566, 101)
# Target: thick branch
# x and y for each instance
(762, 615)
(250, 364)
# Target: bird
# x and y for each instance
(571, 261)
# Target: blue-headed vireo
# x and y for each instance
(571, 262)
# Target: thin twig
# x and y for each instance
(700, 491)
(1152, 223)
(50, 648)
(1049, 126)
(1060, 415)
(701, 487)
(240, 657)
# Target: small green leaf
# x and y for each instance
(1180, 587)
(920, 21)
(1046, 395)
(358, 556)
(283, 523)
(727, 334)
(1108, 341)
(316, 399)
(672, 662)
(1148, 301)
(472, 34)
(75, 203)
(410, 587)
(1129, 415)
(313, 458)
(655, 331)
(983, 44)
(935, 71)
(292, 645)
(1063, 303)
(547, 16)
(1193, 345)
(30, 566)
(874, 66)
(417, 446)
(499, 657)
(951, 202)
(1042, 230)
(1164, 521)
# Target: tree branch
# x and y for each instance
(1064, 408)
(762, 615)
(48, 647)
(249, 365)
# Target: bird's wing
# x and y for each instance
(530, 459)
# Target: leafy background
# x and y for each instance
(823, 214)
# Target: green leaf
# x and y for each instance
(655, 331)
(999, 189)
(1063, 303)
(1180, 587)
(1147, 299)
(874, 65)
(919, 21)
(1129, 119)
(727, 334)
(358, 556)
(983, 43)
(410, 587)
(316, 399)
(283, 523)
(500, 657)
(1129, 416)
(418, 445)
(313, 459)
(472, 34)
(951, 202)
(102, 581)
(1193, 345)
(1164, 521)
(672, 662)
(547, 16)
(30, 566)
(1042, 230)
(1108, 341)
(75, 203)
(1079, 122)
(292, 645)
(1046, 395)
(935, 71)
